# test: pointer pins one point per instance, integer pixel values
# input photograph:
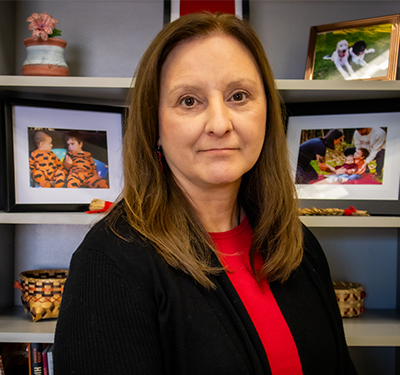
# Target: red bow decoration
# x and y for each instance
(106, 206)
(349, 211)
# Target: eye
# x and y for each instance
(189, 101)
(239, 96)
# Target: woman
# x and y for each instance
(203, 266)
(315, 149)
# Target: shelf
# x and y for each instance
(351, 221)
(297, 91)
(79, 218)
(16, 326)
(111, 90)
(373, 328)
(115, 89)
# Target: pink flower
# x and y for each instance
(42, 25)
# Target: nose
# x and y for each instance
(219, 120)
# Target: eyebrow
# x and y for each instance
(239, 82)
(184, 87)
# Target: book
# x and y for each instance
(44, 360)
(50, 360)
(35, 358)
(2, 372)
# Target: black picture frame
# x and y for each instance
(101, 128)
(169, 5)
(374, 106)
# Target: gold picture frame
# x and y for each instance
(365, 49)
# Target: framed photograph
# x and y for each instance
(356, 50)
(60, 156)
(174, 9)
(346, 153)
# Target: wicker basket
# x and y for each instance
(350, 297)
(42, 292)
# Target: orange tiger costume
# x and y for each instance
(46, 169)
(83, 172)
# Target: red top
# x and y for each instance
(261, 305)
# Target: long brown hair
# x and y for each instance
(155, 206)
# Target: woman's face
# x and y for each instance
(338, 141)
(212, 113)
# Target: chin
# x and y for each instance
(224, 179)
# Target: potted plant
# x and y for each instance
(45, 54)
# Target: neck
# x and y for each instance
(217, 208)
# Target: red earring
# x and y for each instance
(159, 152)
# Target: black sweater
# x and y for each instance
(125, 311)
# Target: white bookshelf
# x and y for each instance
(82, 218)
(16, 326)
(351, 221)
(372, 328)
(77, 218)
(115, 89)
(107, 90)
(293, 91)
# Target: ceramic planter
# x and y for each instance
(45, 57)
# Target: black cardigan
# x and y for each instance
(125, 311)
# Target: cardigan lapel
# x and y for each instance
(249, 336)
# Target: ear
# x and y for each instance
(159, 143)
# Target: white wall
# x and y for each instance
(107, 38)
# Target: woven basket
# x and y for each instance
(350, 297)
(42, 292)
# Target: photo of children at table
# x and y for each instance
(81, 168)
(46, 168)
(357, 158)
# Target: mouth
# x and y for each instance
(222, 150)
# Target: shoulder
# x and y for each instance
(122, 248)
(133, 262)
(117, 243)
(314, 142)
(378, 132)
(102, 250)
(319, 146)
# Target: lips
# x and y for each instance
(219, 149)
